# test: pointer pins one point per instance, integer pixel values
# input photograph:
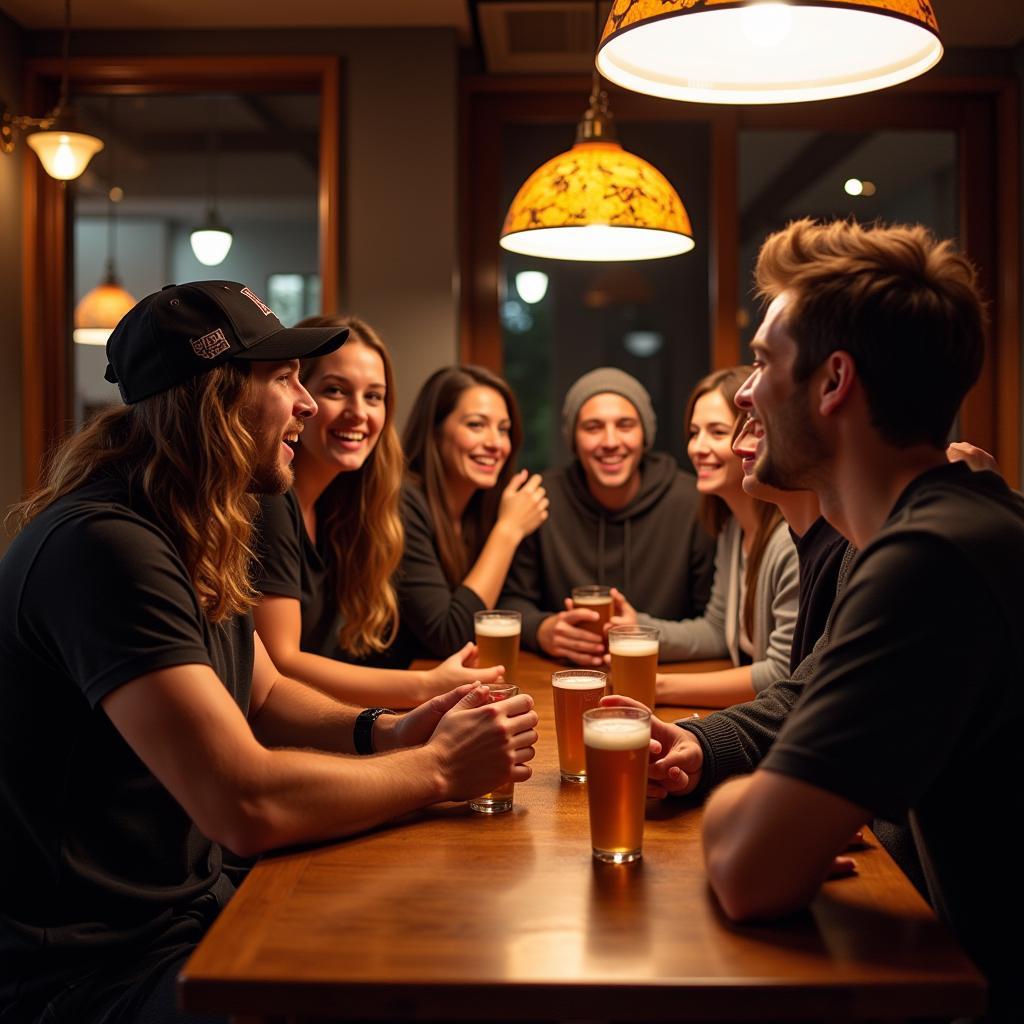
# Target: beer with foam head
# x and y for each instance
(634, 651)
(595, 599)
(497, 637)
(574, 691)
(616, 741)
(500, 799)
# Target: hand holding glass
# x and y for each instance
(498, 800)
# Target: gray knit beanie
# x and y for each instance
(604, 380)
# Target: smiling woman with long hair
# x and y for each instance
(330, 545)
(464, 507)
(752, 609)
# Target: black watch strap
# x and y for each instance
(362, 734)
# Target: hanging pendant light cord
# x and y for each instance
(211, 161)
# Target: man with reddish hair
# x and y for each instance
(870, 342)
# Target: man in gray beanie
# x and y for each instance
(620, 515)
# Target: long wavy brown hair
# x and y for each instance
(436, 400)
(713, 511)
(190, 451)
(359, 514)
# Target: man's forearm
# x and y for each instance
(296, 715)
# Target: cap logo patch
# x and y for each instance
(210, 345)
(249, 294)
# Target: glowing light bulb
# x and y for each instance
(766, 24)
(853, 187)
(532, 285)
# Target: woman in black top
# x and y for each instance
(464, 508)
(330, 545)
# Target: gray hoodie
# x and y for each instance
(654, 549)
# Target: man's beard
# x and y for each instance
(792, 447)
(269, 476)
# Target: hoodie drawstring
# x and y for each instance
(600, 549)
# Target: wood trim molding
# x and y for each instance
(46, 294)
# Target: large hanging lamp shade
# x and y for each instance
(597, 202)
(730, 51)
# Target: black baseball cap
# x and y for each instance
(187, 329)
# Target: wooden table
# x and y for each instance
(449, 915)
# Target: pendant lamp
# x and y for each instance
(763, 51)
(101, 309)
(211, 241)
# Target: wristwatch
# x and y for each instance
(362, 734)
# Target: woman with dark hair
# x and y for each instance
(330, 545)
(464, 508)
(752, 609)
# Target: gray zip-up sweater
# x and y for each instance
(654, 549)
(717, 631)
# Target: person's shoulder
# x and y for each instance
(962, 507)
(414, 502)
(94, 531)
(780, 546)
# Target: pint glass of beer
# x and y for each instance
(616, 741)
(575, 690)
(634, 651)
(595, 599)
(499, 800)
(497, 637)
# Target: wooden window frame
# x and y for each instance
(981, 111)
(46, 249)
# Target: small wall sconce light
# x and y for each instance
(63, 152)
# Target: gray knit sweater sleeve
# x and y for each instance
(776, 599)
(703, 637)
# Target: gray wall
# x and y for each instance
(399, 114)
(10, 278)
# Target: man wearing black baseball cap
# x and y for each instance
(142, 725)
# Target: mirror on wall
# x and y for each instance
(171, 162)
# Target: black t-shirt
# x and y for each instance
(289, 564)
(820, 551)
(97, 859)
(918, 703)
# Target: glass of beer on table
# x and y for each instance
(616, 741)
(574, 690)
(595, 599)
(497, 637)
(498, 800)
(634, 651)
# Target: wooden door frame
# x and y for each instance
(46, 249)
(982, 111)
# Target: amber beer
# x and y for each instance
(616, 742)
(575, 690)
(497, 637)
(634, 651)
(595, 599)
(498, 800)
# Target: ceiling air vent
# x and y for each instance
(538, 38)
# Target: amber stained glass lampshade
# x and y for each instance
(724, 51)
(597, 201)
